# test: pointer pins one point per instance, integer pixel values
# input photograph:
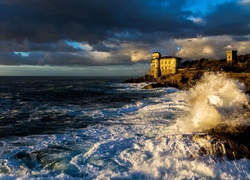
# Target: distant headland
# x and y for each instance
(169, 71)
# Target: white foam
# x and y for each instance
(126, 152)
(142, 146)
(213, 101)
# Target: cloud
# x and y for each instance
(92, 21)
(245, 2)
(112, 32)
(210, 47)
(230, 18)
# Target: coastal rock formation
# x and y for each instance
(182, 80)
(242, 77)
(145, 78)
(185, 80)
(151, 86)
(224, 140)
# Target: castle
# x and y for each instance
(163, 65)
(231, 57)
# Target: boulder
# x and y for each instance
(145, 78)
(225, 140)
(151, 86)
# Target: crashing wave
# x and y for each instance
(214, 100)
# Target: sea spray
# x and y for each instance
(214, 100)
(99, 130)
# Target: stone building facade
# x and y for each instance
(231, 57)
(163, 65)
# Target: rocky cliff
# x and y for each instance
(184, 80)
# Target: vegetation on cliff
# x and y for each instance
(192, 71)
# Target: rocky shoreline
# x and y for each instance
(184, 80)
(223, 140)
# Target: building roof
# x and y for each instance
(171, 57)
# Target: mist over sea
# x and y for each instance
(99, 128)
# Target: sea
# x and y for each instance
(100, 128)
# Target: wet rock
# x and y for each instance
(224, 140)
(26, 158)
(151, 86)
(51, 155)
(56, 158)
(145, 78)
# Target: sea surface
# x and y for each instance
(99, 128)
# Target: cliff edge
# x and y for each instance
(185, 80)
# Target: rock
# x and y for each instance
(183, 80)
(145, 78)
(186, 79)
(151, 86)
(224, 140)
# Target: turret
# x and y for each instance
(231, 57)
(156, 56)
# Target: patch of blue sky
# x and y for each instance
(204, 6)
(74, 44)
(79, 45)
(23, 54)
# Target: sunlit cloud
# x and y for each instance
(210, 47)
(244, 1)
(197, 20)
(100, 56)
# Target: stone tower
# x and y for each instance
(231, 57)
(156, 59)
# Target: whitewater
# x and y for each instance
(98, 128)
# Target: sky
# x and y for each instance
(116, 37)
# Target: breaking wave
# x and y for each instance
(214, 100)
(85, 129)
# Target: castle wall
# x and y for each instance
(168, 66)
(165, 65)
(231, 57)
(157, 71)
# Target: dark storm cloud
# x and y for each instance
(241, 38)
(43, 27)
(26, 46)
(229, 18)
(92, 21)
(59, 58)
